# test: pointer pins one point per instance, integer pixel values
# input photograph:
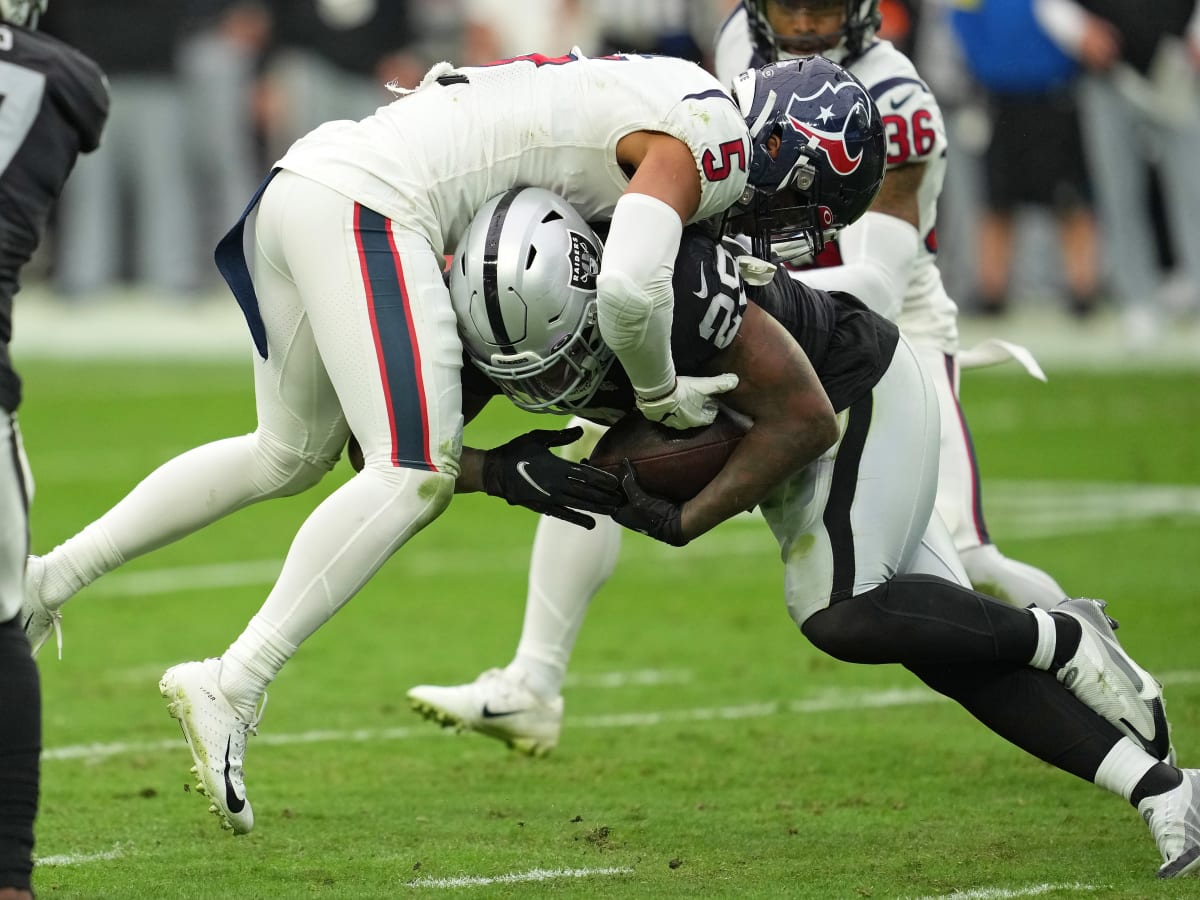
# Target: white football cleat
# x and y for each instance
(1174, 820)
(216, 734)
(36, 618)
(1107, 680)
(499, 704)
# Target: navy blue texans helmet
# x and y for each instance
(818, 152)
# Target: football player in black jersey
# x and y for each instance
(841, 461)
(53, 103)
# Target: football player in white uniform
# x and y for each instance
(841, 460)
(886, 257)
(353, 330)
(889, 257)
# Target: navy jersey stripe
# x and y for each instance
(395, 340)
(886, 85)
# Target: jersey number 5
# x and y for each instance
(730, 151)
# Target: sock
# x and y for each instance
(1047, 638)
(251, 664)
(76, 563)
(1124, 767)
(559, 595)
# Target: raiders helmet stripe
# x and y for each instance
(491, 252)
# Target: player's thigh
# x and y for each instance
(958, 497)
(383, 329)
(855, 517)
(294, 396)
(15, 487)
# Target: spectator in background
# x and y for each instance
(1140, 104)
(127, 210)
(331, 59)
(219, 62)
(1034, 155)
(682, 28)
(498, 29)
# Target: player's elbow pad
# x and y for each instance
(878, 252)
(634, 293)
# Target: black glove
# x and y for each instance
(525, 473)
(648, 514)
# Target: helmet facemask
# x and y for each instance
(860, 20)
(565, 380)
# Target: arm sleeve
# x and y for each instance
(877, 256)
(634, 295)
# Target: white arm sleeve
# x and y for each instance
(634, 294)
(877, 256)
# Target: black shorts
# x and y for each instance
(1036, 152)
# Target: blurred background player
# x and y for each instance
(53, 103)
(1028, 93)
(887, 258)
(1141, 89)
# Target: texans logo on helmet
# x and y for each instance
(839, 112)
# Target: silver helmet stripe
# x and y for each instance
(491, 254)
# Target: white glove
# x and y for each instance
(755, 271)
(690, 404)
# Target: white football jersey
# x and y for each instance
(916, 134)
(432, 157)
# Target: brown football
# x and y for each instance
(670, 463)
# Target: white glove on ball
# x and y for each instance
(691, 403)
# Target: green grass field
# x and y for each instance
(708, 751)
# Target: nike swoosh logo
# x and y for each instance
(235, 803)
(1150, 746)
(521, 467)
(896, 104)
(703, 292)
(499, 714)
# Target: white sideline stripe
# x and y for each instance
(832, 701)
(625, 679)
(77, 859)
(515, 877)
(1033, 890)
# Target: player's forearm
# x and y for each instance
(470, 471)
(634, 294)
(766, 457)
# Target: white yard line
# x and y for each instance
(78, 859)
(830, 701)
(515, 877)
(1033, 890)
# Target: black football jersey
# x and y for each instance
(849, 346)
(53, 103)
